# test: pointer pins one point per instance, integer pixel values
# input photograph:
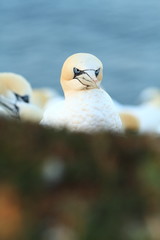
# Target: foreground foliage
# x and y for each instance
(62, 186)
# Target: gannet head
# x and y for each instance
(15, 86)
(13, 89)
(81, 71)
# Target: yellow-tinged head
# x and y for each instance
(12, 84)
(81, 71)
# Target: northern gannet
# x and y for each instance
(147, 117)
(86, 107)
(150, 96)
(15, 98)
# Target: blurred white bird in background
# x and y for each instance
(86, 107)
(150, 96)
(146, 115)
(43, 96)
(16, 98)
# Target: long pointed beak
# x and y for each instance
(10, 107)
(90, 79)
(91, 75)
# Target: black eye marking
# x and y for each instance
(24, 98)
(77, 72)
(97, 72)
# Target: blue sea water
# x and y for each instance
(36, 36)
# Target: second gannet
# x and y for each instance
(147, 117)
(16, 98)
(150, 96)
(86, 107)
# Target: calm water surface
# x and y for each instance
(36, 36)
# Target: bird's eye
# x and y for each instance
(20, 98)
(25, 98)
(97, 72)
(76, 72)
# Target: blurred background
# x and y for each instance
(61, 186)
(36, 36)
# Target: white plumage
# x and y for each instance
(16, 98)
(86, 107)
(90, 110)
(147, 115)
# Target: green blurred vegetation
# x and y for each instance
(56, 185)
